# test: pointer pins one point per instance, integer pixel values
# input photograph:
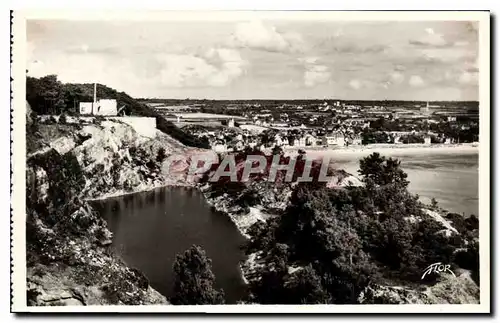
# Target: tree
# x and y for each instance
(51, 93)
(382, 171)
(194, 280)
(277, 150)
(304, 287)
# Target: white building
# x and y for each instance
(86, 108)
(310, 140)
(299, 142)
(335, 138)
(106, 107)
(103, 107)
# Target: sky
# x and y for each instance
(262, 59)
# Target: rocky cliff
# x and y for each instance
(68, 258)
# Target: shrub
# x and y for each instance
(161, 155)
(63, 119)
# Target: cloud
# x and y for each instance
(309, 60)
(430, 39)
(468, 78)
(446, 55)
(360, 49)
(355, 84)
(314, 73)
(397, 77)
(186, 70)
(416, 81)
(257, 35)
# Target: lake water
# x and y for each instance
(151, 228)
(451, 178)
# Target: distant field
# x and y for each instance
(201, 115)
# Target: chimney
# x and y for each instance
(94, 103)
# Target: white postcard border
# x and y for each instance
(18, 69)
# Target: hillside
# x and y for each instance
(69, 261)
(47, 95)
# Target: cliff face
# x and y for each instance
(68, 256)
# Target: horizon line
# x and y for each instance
(257, 99)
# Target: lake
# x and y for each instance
(151, 228)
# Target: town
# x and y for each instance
(235, 126)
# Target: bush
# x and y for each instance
(63, 119)
(161, 155)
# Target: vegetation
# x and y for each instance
(194, 280)
(47, 95)
(341, 240)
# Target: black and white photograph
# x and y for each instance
(321, 161)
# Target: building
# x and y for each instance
(427, 140)
(333, 139)
(86, 108)
(452, 118)
(106, 107)
(310, 140)
(103, 107)
(299, 142)
(356, 140)
(230, 123)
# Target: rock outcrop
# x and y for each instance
(450, 290)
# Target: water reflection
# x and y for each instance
(150, 228)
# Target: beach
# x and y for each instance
(385, 150)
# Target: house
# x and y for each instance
(299, 142)
(452, 119)
(103, 107)
(219, 146)
(278, 141)
(310, 140)
(335, 138)
(356, 140)
(85, 108)
(106, 107)
(427, 140)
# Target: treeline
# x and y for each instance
(47, 95)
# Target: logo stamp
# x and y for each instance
(437, 268)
